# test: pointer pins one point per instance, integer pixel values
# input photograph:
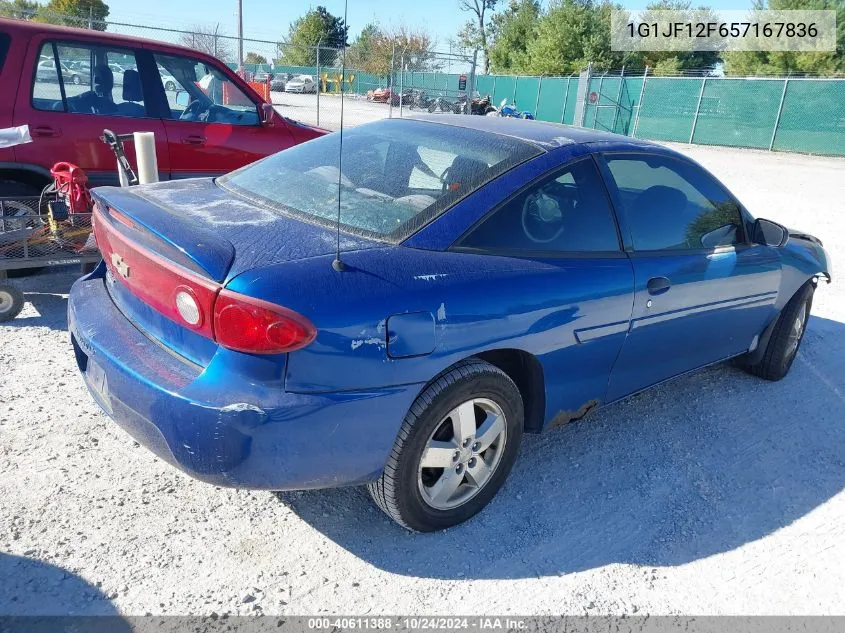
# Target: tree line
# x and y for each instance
(563, 38)
(525, 38)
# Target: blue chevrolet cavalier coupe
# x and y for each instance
(494, 276)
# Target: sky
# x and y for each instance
(270, 19)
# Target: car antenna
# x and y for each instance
(337, 264)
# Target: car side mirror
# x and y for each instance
(721, 236)
(182, 98)
(769, 233)
(267, 114)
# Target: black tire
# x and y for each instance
(432, 106)
(11, 302)
(170, 86)
(76, 80)
(780, 353)
(398, 493)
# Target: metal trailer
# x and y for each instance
(32, 238)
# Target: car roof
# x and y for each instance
(542, 133)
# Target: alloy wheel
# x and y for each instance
(6, 301)
(796, 331)
(462, 453)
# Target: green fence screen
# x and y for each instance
(796, 115)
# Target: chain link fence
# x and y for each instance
(305, 83)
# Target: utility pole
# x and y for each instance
(91, 18)
(216, 26)
(240, 35)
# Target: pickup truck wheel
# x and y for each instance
(786, 337)
(11, 302)
(455, 448)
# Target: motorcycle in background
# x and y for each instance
(478, 105)
(442, 104)
(511, 111)
(420, 100)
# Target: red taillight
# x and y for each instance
(234, 321)
(245, 324)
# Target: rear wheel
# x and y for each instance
(786, 337)
(454, 450)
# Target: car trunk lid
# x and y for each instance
(159, 239)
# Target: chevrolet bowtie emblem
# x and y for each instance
(121, 266)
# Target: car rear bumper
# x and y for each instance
(219, 426)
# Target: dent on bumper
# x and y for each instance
(219, 426)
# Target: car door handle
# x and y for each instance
(193, 139)
(45, 131)
(658, 285)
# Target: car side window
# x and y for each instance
(197, 91)
(94, 80)
(567, 212)
(670, 204)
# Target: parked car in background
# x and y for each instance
(82, 67)
(301, 83)
(388, 95)
(117, 73)
(169, 81)
(279, 81)
(497, 277)
(46, 72)
(131, 87)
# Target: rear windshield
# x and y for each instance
(395, 175)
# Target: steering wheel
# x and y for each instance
(542, 218)
(191, 112)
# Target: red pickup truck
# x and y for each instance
(69, 84)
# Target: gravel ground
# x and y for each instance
(716, 493)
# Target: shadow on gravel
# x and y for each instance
(46, 292)
(698, 466)
(31, 588)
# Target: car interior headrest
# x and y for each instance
(132, 90)
(462, 171)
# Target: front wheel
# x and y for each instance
(786, 337)
(455, 449)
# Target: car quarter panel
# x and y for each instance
(571, 313)
(229, 423)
